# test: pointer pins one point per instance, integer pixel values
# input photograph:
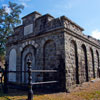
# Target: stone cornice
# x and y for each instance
(70, 24)
(52, 31)
(83, 38)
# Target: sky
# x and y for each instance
(86, 13)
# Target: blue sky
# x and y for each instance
(85, 13)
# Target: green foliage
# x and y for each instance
(8, 20)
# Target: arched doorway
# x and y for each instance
(49, 58)
(84, 64)
(28, 53)
(52, 61)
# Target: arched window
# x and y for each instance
(12, 65)
(98, 71)
(92, 61)
(74, 57)
(84, 64)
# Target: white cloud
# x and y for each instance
(96, 34)
(24, 4)
(7, 9)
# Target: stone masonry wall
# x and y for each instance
(58, 44)
(84, 65)
(49, 47)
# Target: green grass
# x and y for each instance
(81, 95)
(84, 95)
(94, 95)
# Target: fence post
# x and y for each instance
(5, 88)
(30, 91)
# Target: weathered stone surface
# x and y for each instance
(55, 43)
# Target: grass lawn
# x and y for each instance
(87, 91)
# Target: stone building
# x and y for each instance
(52, 44)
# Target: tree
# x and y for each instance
(9, 18)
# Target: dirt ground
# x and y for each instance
(86, 91)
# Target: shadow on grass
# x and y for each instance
(24, 91)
